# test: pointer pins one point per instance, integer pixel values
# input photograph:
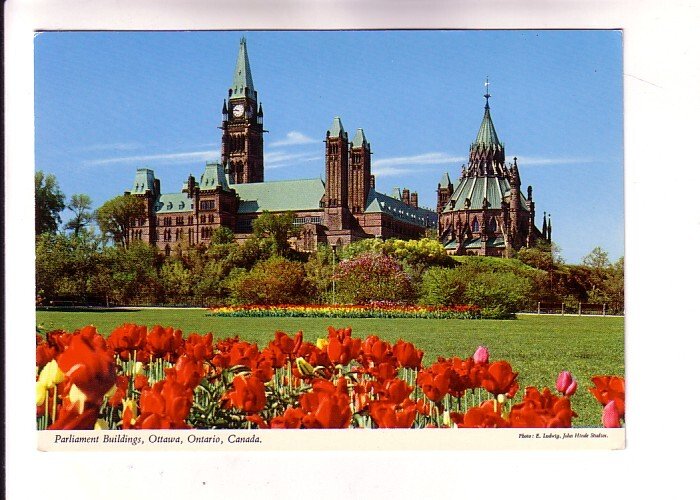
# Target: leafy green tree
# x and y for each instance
(80, 205)
(66, 266)
(274, 281)
(277, 228)
(222, 235)
(129, 275)
(116, 216)
(597, 259)
(49, 202)
(176, 281)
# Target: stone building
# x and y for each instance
(231, 193)
(487, 213)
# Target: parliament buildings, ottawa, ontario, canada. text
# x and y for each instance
(486, 213)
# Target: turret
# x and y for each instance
(359, 172)
(336, 165)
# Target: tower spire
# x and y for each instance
(487, 95)
(487, 132)
(242, 76)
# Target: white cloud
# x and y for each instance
(536, 161)
(279, 159)
(420, 159)
(208, 155)
(120, 146)
(293, 138)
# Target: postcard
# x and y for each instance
(245, 239)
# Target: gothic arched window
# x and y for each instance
(492, 225)
(475, 225)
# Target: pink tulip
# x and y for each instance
(481, 355)
(571, 390)
(611, 417)
(564, 380)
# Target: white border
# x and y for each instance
(662, 79)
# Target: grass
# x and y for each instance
(538, 347)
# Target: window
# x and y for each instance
(211, 219)
(203, 219)
(206, 205)
(179, 221)
(475, 225)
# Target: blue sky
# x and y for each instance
(108, 103)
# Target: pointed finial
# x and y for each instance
(487, 95)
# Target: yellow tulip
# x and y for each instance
(77, 396)
(131, 404)
(321, 342)
(101, 425)
(40, 393)
(137, 369)
(51, 375)
(304, 367)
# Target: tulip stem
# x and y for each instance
(46, 407)
(55, 400)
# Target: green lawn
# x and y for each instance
(538, 347)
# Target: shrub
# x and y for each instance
(274, 281)
(369, 277)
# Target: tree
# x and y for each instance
(48, 202)
(277, 228)
(222, 235)
(597, 259)
(116, 216)
(80, 205)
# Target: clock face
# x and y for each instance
(238, 110)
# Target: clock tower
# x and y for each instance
(242, 126)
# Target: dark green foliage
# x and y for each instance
(48, 203)
(275, 228)
(499, 287)
(274, 281)
(116, 215)
(80, 205)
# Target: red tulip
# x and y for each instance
(164, 343)
(341, 352)
(70, 418)
(248, 394)
(610, 388)
(435, 381)
(187, 371)
(199, 347)
(166, 405)
(542, 410)
(499, 378)
(89, 364)
(126, 339)
(407, 355)
(480, 417)
(388, 415)
(291, 419)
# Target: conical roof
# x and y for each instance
(242, 77)
(487, 132)
(336, 129)
(445, 180)
(359, 139)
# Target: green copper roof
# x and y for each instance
(445, 180)
(379, 202)
(475, 189)
(487, 132)
(144, 181)
(336, 128)
(173, 203)
(280, 196)
(213, 177)
(242, 77)
(475, 243)
(359, 139)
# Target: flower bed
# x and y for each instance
(141, 379)
(372, 310)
